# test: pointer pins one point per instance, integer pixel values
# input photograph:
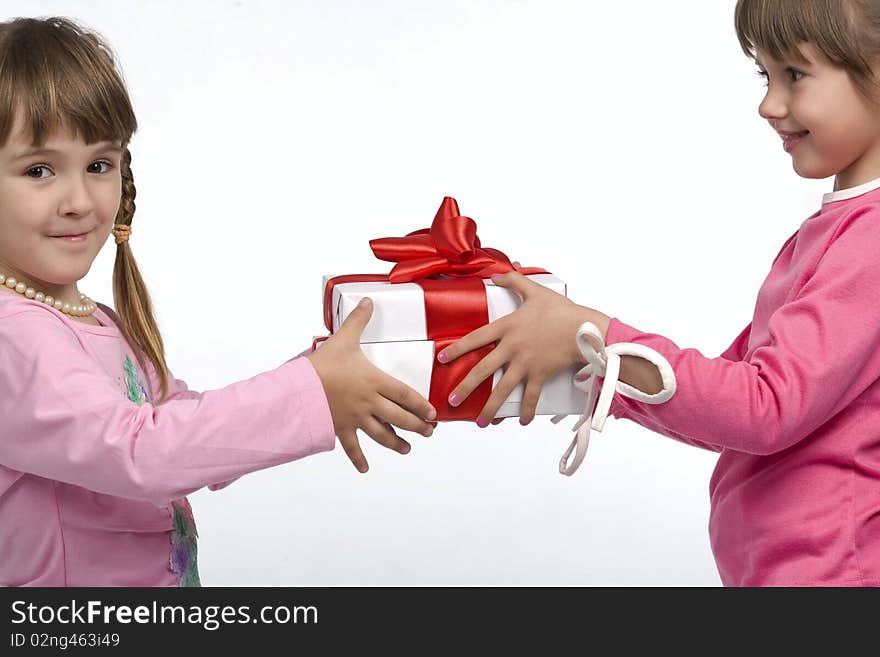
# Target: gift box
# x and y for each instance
(439, 291)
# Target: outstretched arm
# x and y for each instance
(822, 351)
(64, 419)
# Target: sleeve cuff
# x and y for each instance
(619, 332)
(320, 422)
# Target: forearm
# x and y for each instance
(637, 372)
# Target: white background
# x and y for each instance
(616, 144)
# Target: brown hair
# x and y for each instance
(61, 75)
(847, 32)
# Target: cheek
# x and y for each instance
(111, 200)
(24, 227)
(815, 113)
(23, 211)
(839, 115)
(848, 136)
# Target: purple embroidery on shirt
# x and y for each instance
(184, 545)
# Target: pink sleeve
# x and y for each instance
(634, 412)
(181, 389)
(823, 352)
(65, 419)
(177, 389)
(737, 350)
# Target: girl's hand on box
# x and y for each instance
(361, 396)
(533, 343)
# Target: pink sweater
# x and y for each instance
(793, 407)
(93, 476)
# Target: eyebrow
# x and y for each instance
(787, 62)
(51, 151)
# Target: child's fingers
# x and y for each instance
(383, 434)
(390, 412)
(353, 450)
(486, 334)
(530, 400)
(357, 319)
(515, 282)
(498, 420)
(401, 394)
(490, 363)
(499, 393)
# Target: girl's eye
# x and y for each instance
(36, 168)
(109, 166)
(105, 163)
(793, 74)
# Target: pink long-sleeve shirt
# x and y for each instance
(793, 407)
(94, 476)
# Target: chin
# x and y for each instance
(811, 173)
(66, 278)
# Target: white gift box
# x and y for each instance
(395, 338)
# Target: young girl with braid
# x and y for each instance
(792, 406)
(99, 443)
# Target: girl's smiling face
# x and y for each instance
(70, 189)
(826, 123)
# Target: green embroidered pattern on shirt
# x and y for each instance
(183, 558)
(136, 391)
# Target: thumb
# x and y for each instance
(357, 319)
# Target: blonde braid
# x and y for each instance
(122, 228)
(137, 320)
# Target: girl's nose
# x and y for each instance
(774, 105)
(76, 198)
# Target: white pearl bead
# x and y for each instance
(40, 297)
(59, 304)
(65, 307)
(20, 288)
(10, 282)
(30, 293)
(49, 300)
(2, 279)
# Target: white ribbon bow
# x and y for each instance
(606, 363)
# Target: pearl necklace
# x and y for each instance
(84, 309)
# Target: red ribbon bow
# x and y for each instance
(450, 246)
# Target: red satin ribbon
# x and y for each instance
(454, 306)
(450, 246)
(452, 310)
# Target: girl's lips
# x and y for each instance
(790, 142)
(73, 238)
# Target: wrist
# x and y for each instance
(583, 314)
